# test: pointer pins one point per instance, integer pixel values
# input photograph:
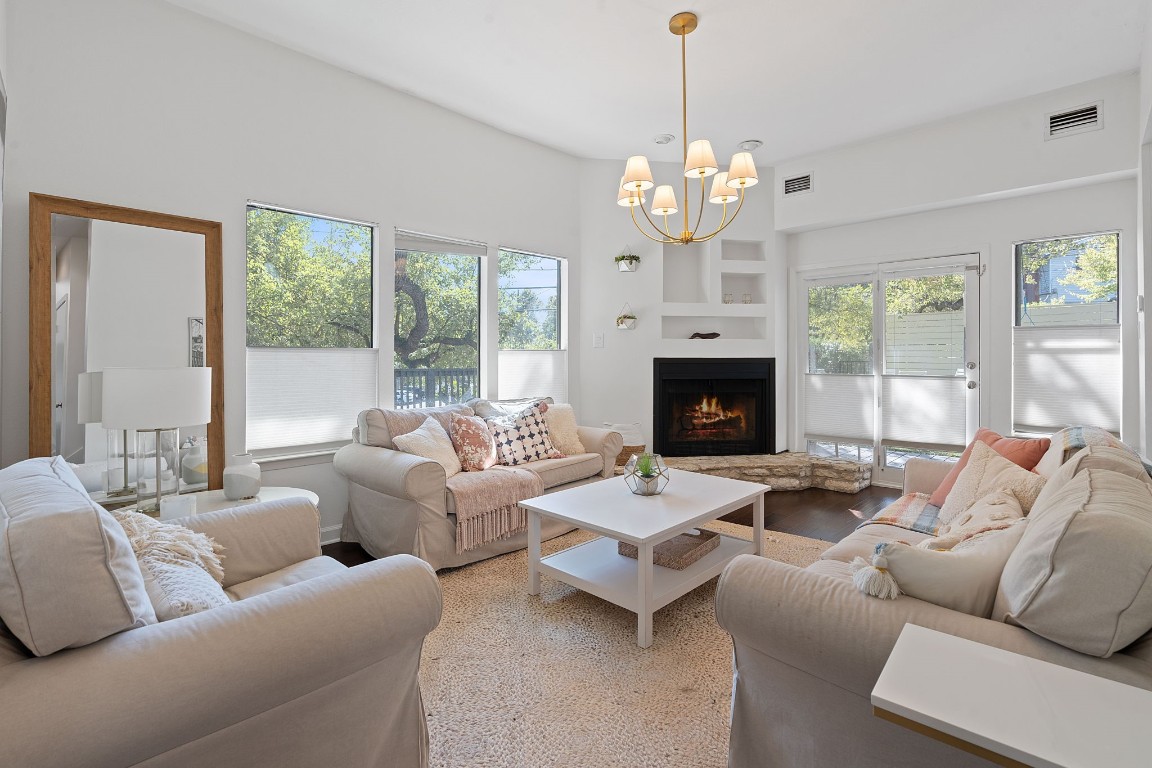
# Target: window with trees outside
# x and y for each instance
(1066, 361)
(437, 332)
(533, 360)
(312, 360)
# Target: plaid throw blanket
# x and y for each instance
(1075, 438)
(912, 512)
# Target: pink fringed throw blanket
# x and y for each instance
(486, 504)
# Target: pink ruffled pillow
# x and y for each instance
(473, 442)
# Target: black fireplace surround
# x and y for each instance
(714, 406)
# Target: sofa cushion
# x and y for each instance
(1082, 575)
(562, 428)
(862, 541)
(1023, 452)
(372, 425)
(494, 409)
(568, 469)
(68, 576)
(963, 579)
(985, 472)
(286, 577)
(431, 441)
(1093, 457)
(473, 442)
(834, 568)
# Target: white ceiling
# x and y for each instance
(600, 78)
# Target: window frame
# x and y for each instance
(561, 304)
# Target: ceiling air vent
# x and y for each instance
(798, 184)
(1079, 120)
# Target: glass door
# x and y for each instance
(892, 369)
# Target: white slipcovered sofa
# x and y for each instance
(399, 503)
(312, 664)
(809, 646)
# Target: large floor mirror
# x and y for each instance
(114, 287)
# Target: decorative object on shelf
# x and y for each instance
(156, 402)
(747, 298)
(709, 335)
(627, 261)
(699, 163)
(679, 552)
(626, 320)
(646, 474)
(194, 461)
(241, 477)
(727, 298)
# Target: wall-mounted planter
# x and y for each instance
(626, 320)
(628, 265)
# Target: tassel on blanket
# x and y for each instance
(874, 579)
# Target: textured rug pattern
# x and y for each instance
(512, 680)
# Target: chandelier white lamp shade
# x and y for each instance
(699, 163)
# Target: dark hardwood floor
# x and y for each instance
(814, 513)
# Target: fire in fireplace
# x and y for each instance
(710, 407)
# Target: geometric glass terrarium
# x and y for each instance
(646, 474)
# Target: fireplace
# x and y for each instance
(714, 406)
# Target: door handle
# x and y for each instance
(970, 366)
(971, 385)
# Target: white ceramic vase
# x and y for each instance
(241, 478)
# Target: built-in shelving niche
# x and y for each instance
(685, 273)
(729, 328)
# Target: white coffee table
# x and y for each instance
(607, 507)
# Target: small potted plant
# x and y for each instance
(626, 321)
(627, 261)
(646, 474)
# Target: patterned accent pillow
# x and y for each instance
(524, 437)
(473, 442)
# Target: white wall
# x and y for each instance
(615, 382)
(976, 156)
(991, 229)
(139, 103)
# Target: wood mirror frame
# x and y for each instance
(41, 304)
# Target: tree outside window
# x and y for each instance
(529, 301)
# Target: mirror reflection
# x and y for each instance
(124, 296)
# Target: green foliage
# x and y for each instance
(1094, 277)
(528, 319)
(644, 466)
(437, 310)
(307, 292)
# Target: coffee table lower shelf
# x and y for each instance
(596, 567)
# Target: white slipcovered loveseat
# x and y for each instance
(809, 646)
(311, 664)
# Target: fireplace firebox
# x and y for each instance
(714, 406)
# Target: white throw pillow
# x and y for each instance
(997, 510)
(432, 442)
(985, 472)
(561, 421)
(180, 589)
(964, 579)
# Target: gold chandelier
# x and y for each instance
(699, 163)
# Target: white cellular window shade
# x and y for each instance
(839, 407)
(1066, 376)
(307, 397)
(920, 411)
(526, 373)
(418, 241)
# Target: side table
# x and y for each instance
(211, 501)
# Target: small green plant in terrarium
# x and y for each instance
(646, 474)
(644, 465)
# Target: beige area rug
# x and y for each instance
(512, 680)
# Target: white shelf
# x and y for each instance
(713, 310)
(597, 568)
(729, 326)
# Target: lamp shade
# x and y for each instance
(664, 200)
(700, 161)
(628, 197)
(89, 391)
(637, 174)
(742, 172)
(156, 398)
(721, 192)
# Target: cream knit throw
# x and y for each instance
(170, 543)
(486, 504)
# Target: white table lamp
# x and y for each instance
(90, 395)
(156, 400)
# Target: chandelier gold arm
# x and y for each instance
(699, 214)
(665, 240)
(723, 222)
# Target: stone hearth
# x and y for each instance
(783, 471)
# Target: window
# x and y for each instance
(311, 358)
(1066, 342)
(437, 349)
(532, 360)
(529, 301)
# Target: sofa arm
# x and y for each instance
(824, 626)
(393, 473)
(925, 475)
(261, 538)
(172, 683)
(604, 442)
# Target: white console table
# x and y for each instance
(1011, 709)
(210, 501)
